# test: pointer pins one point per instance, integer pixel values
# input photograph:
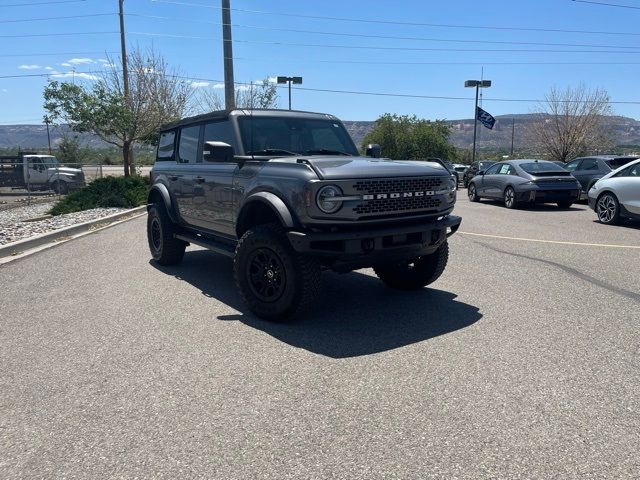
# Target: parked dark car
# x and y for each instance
(518, 182)
(588, 170)
(473, 170)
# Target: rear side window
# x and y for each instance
(589, 164)
(619, 162)
(166, 146)
(635, 170)
(188, 148)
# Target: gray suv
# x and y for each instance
(588, 170)
(286, 195)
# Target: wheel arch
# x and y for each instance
(263, 207)
(159, 193)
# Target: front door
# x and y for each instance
(490, 182)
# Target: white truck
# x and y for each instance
(39, 172)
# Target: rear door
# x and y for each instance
(182, 179)
(587, 171)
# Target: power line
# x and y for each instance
(386, 37)
(375, 47)
(404, 23)
(607, 4)
(41, 3)
(57, 18)
(53, 54)
(55, 34)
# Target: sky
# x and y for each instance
(423, 48)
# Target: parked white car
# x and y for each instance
(617, 194)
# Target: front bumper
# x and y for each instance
(370, 246)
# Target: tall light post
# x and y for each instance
(290, 80)
(227, 52)
(478, 84)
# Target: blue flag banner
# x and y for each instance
(485, 118)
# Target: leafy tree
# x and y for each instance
(70, 150)
(259, 95)
(156, 96)
(570, 123)
(408, 137)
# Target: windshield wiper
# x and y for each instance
(325, 151)
(271, 151)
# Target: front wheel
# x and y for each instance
(61, 188)
(414, 274)
(275, 281)
(473, 193)
(608, 209)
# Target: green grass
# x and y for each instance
(103, 193)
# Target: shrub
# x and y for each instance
(105, 192)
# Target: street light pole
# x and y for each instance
(478, 84)
(227, 52)
(289, 81)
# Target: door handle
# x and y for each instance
(174, 177)
(199, 179)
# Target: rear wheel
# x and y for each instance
(275, 281)
(414, 274)
(510, 198)
(165, 249)
(473, 193)
(608, 209)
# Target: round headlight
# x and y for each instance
(326, 199)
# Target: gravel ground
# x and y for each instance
(14, 228)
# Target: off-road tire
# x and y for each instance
(509, 197)
(408, 275)
(565, 205)
(472, 193)
(608, 209)
(275, 281)
(164, 248)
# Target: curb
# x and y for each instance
(21, 246)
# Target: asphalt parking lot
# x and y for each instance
(522, 361)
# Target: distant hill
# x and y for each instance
(626, 131)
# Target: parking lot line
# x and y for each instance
(535, 240)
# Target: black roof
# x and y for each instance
(258, 112)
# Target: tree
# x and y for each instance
(263, 94)
(156, 96)
(70, 150)
(569, 122)
(408, 137)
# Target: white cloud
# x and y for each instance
(48, 68)
(199, 84)
(218, 86)
(4, 90)
(86, 76)
(30, 67)
(103, 60)
(243, 88)
(66, 64)
(81, 61)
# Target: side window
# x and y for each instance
(504, 169)
(218, 132)
(512, 171)
(635, 170)
(493, 169)
(571, 166)
(589, 164)
(166, 146)
(188, 147)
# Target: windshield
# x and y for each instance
(292, 136)
(542, 167)
(485, 165)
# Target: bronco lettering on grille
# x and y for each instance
(383, 196)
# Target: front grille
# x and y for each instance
(392, 205)
(399, 185)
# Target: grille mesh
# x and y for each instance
(397, 205)
(399, 185)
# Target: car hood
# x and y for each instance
(64, 170)
(335, 168)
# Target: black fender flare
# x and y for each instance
(274, 202)
(161, 190)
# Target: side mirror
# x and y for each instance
(217, 152)
(373, 150)
(481, 172)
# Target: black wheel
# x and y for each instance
(61, 188)
(608, 209)
(415, 274)
(165, 249)
(510, 198)
(465, 182)
(275, 281)
(473, 193)
(565, 204)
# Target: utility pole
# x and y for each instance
(48, 135)
(513, 130)
(227, 51)
(126, 148)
